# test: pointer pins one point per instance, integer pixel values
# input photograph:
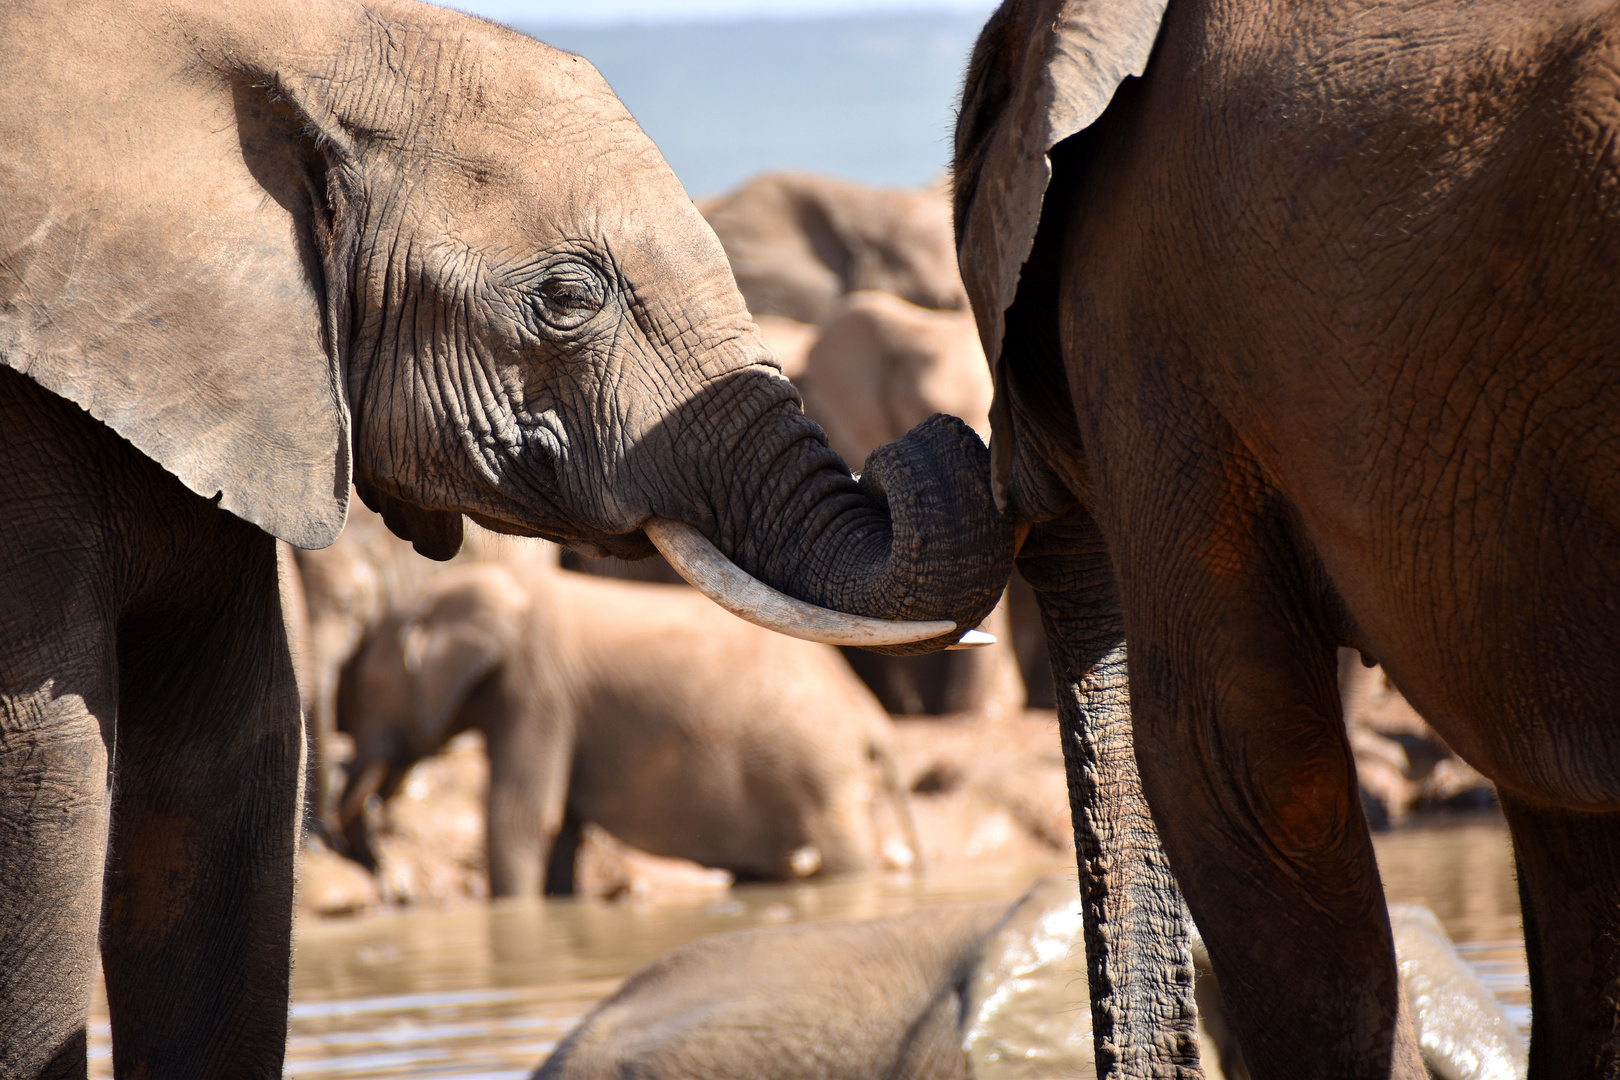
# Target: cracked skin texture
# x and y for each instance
(1308, 342)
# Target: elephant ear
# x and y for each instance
(168, 239)
(1041, 71)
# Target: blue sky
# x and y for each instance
(610, 12)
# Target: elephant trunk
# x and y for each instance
(915, 545)
(1137, 928)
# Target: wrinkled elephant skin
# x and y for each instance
(1302, 324)
(252, 251)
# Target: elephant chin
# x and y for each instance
(435, 534)
(697, 560)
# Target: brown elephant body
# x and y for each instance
(641, 708)
(1303, 335)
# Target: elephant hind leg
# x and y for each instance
(1569, 892)
(1248, 770)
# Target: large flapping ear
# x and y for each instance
(170, 231)
(1041, 71)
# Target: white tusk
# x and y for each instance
(746, 597)
(973, 639)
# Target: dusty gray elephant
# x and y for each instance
(799, 241)
(643, 708)
(250, 251)
(1302, 324)
(970, 991)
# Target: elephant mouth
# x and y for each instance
(630, 546)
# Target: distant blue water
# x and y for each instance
(870, 98)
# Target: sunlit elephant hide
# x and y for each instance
(254, 252)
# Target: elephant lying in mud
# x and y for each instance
(1302, 323)
(643, 708)
(253, 251)
(968, 991)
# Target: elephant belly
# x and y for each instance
(1502, 632)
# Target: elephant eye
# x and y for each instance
(569, 295)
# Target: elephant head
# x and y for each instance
(401, 696)
(387, 241)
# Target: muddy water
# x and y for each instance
(486, 992)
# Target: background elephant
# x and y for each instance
(1292, 351)
(345, 590)
(981, 991)
(243, 270)
(641, 708)
(799, 241)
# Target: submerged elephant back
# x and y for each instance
(755, 745)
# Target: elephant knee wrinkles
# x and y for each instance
(1302, 787)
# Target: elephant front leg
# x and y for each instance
(53, 835)
(196, 933)
(1569, 891)
(1137, 946)
(530, 740)
(1245, 762)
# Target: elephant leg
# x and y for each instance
(1138, 951)
(60, 575)
(1246, 764)
(531, 749)
(1569, 892)
(564, 857)
(196, 933)
(54, 810)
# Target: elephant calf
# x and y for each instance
(644, 708)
